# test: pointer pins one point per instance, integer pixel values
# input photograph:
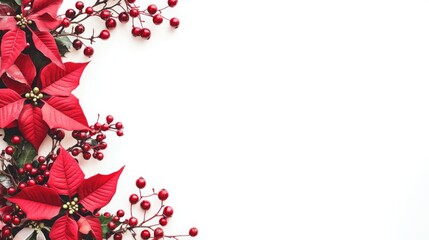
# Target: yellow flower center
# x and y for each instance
(21, 21)
(34, 95)
(72, 206)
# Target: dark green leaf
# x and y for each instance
(104, 221)
(63, 44)
(12, 3)
(27, 154)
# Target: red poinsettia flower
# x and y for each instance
(67, 180)
(38, 18)
(48, 104)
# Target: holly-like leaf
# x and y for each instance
(32, 126)
(91, 225)
(64, 228)
(11, 104)
(97, 191)
(58, 82)
(13, 43)
(65, 175)
(27, 154)
(64, 112)
(45, 43)
(38, 203)
(104, 221)
(63, 44)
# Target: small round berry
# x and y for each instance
(7, 218)
(158, 232)
(86, 147)
(174, 22)
(145, 205)
(145, 234)
(157, 19)
(133, 221)
(70, 13)
(88, 51)
(102, 145)
(86, 155)
(39, 178)
(131, 1)
(79, 5)
(22, 185)
(9, 150)
(79, 29)
(33, 171)
(75, 152)
(163, 221)
(145, 33)
(140, 182)
(6, 232)
(123, 17)
(111, 225)
(163, 195)
(28, 167)
(15, 140)
(134, 198)
(107, 214)
(115, 219)
(109, 119)
(104, 34)
(110, 23)
(152, 9)
(99, 156)
(117, 236)
(172, 3)
(31, 182)
(11, 191)
(21, 171)
(89, 10)
(65, 22)
(120, 213)
(60, 134)
(193, 232)
(136, 31)
(105, 14)
(134, 12)
(120, 133)
(168, 211)
(41, 159)
(119, 125)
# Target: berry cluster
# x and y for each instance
(151, 225)
(110, 12)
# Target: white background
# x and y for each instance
(297, 120)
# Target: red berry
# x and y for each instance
(79, 29)
(97, 126)
(6, 232)
(136, 31)
(15, 140)
(66, 22)
(172, 3)
(102, 145)
(9, 150)
(123, 17)
(79, 5)
(105, 127)
(75, 152)
(131, 1)
(88, 51)
(152, 9)
(22, 185)
(105, 14)
(158, 233)
(168, 211)
(109, 119)
(28, 167)
(31, 182)
(145, 205)
(120, 213)
(157, 19)
(89, 10)
(163, 195)
(43, 167)
(119, 125)
(60, 134)
(33, 171)
(70, 13)
(41, 159)
(21, 171)
(134, 12)
(133, 221)
(86, 155)
(193, 232)
(110, 23)
(145, 33)
(11, 191)
(163, 221)
(111, 225)
(140, 182)
(99, 156)
(7, 218)
(174, 22)
(104, 34)
(134, 198)
(117, 236)
(145, 234)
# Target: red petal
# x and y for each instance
(45, 22)
(45, 6)
(32, 126)
(12, 44)
(59, 82)
(97, 191)
(7, 18)
(64, 112)
(65, 175)
(64, 228)
(38, 202)
(23, 70)
(11, 104)
(20, 88)
(91, 224)
(45, 43)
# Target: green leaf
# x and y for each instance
(63, 44)
(104, 221)
(19, 2)
(27, 154)
(12, 3)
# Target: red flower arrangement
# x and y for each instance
(47, 196)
